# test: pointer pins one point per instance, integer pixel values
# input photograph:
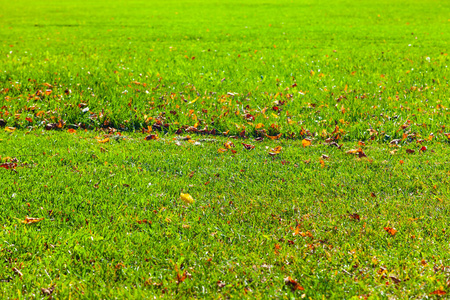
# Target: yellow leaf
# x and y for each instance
(274, 115)
(275, 151)
(103, 141)
(10, 129)
(259, 125)
(229, 145)
(186, 198)
(221, 150)
(306, 142)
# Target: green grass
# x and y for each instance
(375, 64)
(114, 225)
(247, 205)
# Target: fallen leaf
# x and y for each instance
(103, 141)
(359, 152)
(276, 137)
(395, 279)
(151, 137)
(8, 165)
(294, 285)
(390, 230)
(49, 291)
(17, 271)
(10, 129)
(410, 151)
(355, 216)
(222, 150)
(186, 198)
(229, 145)
(181, 278)
(439, 292)
(60, 124)
(306, 142)
(144, 221)
(423, 149)
(71, 130)
(275, 151)
(31, 220)
(248, 146)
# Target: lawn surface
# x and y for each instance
(312, 138)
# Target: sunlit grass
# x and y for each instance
(340, 190)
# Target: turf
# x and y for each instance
(291, 64)
(114, 224)
(110, 111)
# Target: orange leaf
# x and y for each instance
(259, 125)
(103, 141)
(71, 130)
(181, 278)
(438, 292)
(306, 142)
(322, 163)
(276, 137)
(222, 150)
(31, 220)
(390, 230)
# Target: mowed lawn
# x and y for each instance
(232, 149)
